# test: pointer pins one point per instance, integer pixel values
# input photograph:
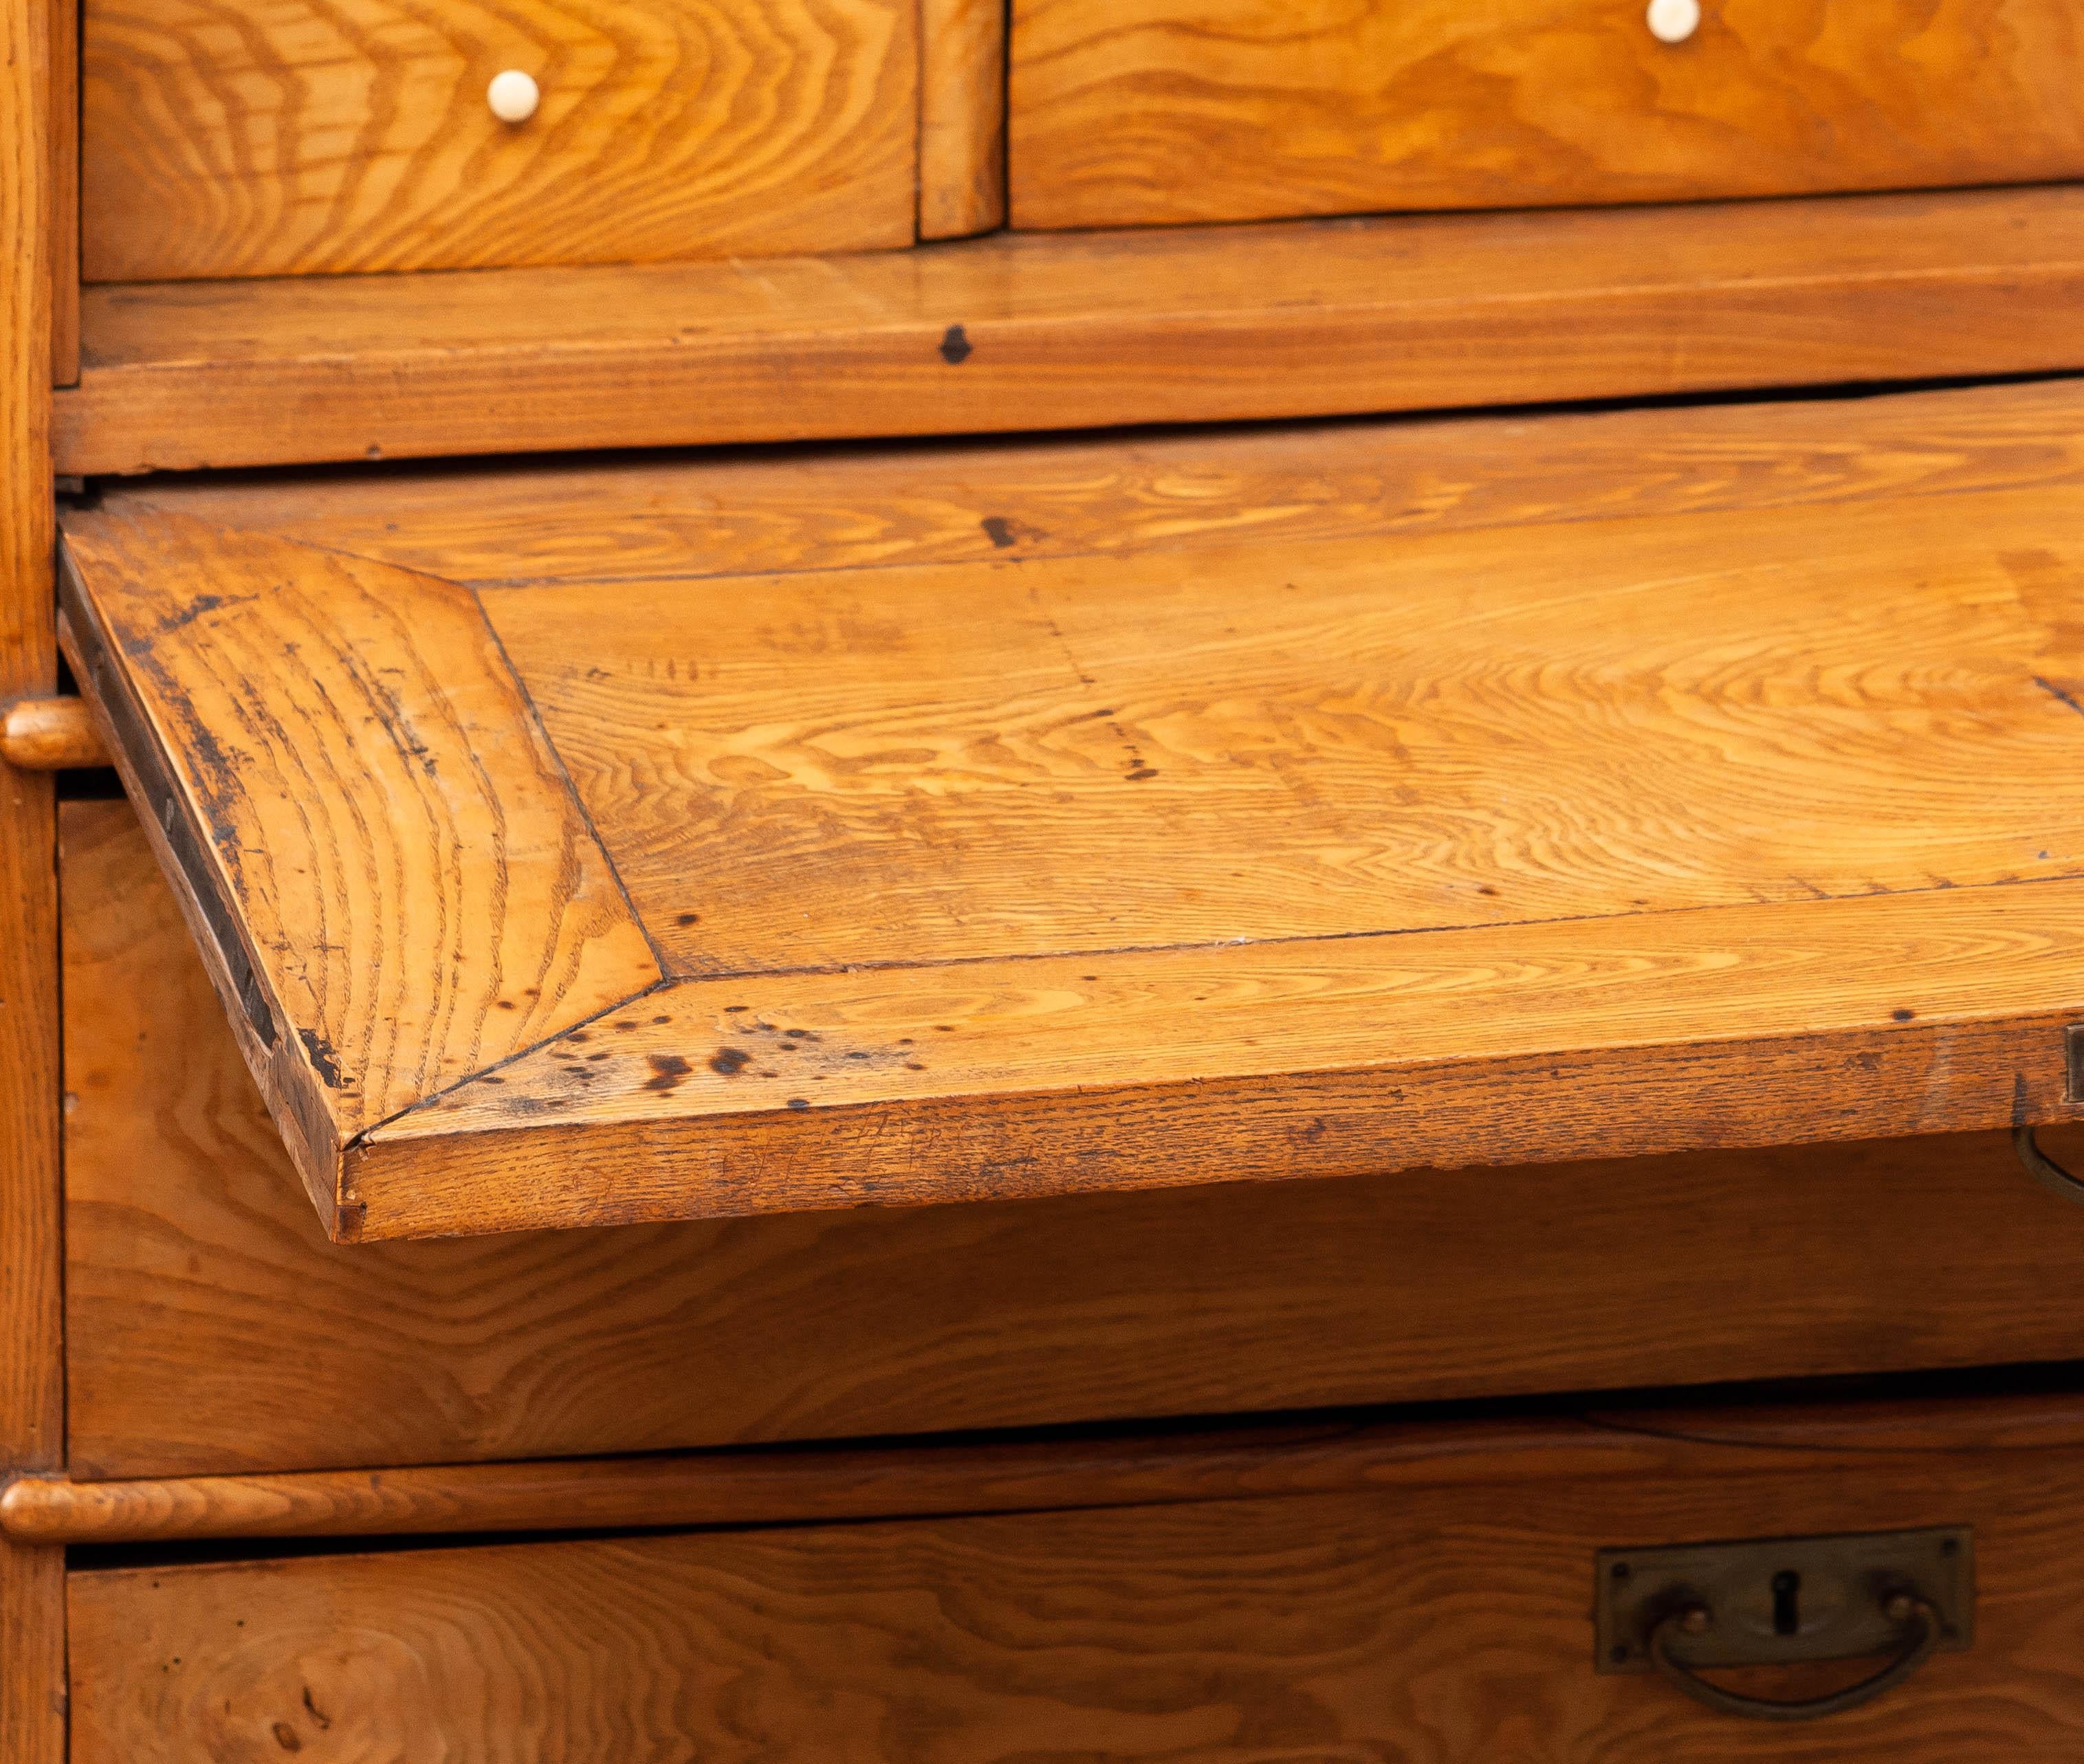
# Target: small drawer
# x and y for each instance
(1147, 111)
(1428, 1598)
(211, 1327)
(304, 138)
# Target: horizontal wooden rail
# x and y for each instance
(885, 1481)
(1070, 331)
(50, 734)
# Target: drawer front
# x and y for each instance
(306, 138)
(1146, 112)
(211, 1326)
(1432, 1625)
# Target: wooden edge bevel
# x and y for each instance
(277, 1061)
(416, 1176)
(796, 1485)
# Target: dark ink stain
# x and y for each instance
(955, 347)
(728, 1062)
(667, 1070)
(285, 1736)
(1488, 892)
(324, 1061)
(1141, 773)
(1902, 1014)
(687, 919)
(734, 1010)
(657, 1021)
(1006, 533)
(596, 1059)
(312, 1709)
(508, 1004)
(799, 1102)
(904, 1041)
(944, 1029)
(493, 1080)
(913, 1065)
(856, 1055)
(579, 1035)
(625, 1026)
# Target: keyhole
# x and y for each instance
(1786, 1603)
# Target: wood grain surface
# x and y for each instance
(32, 1637)
(357, 137)
(50, 734)
(416, 893)
(1181, 860)
(211, 1327)
(1013, 333)
(63, 112)
(770, 512)
(1172, 111)
(1430, 1625)
(961, 117)
(1022, 1474)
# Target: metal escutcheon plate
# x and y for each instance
(1780, 1600)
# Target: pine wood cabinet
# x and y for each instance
(876, 888)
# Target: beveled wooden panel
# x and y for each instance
(210, 1326)
(1136, 111)
(313, 137)
(1017, 331)
(1430, 1625)
(417, 897)
(1091, 871)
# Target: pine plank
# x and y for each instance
(1013, 333)
(323, 138)
(766, 512)
(32, 1633)
(189, 1242)
(1161, 112)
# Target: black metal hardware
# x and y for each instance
(1684, 1610)
(2044, 1169)
(1922, 1633)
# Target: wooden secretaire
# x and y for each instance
(905, 880)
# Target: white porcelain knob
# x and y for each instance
(513, 95)
(1673, 21)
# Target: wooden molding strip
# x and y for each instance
(1036, 332)
(805, 1484)
(50, 734)
(961, 117)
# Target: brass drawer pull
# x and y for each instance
(1921, 1637)
(2044, 1169)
